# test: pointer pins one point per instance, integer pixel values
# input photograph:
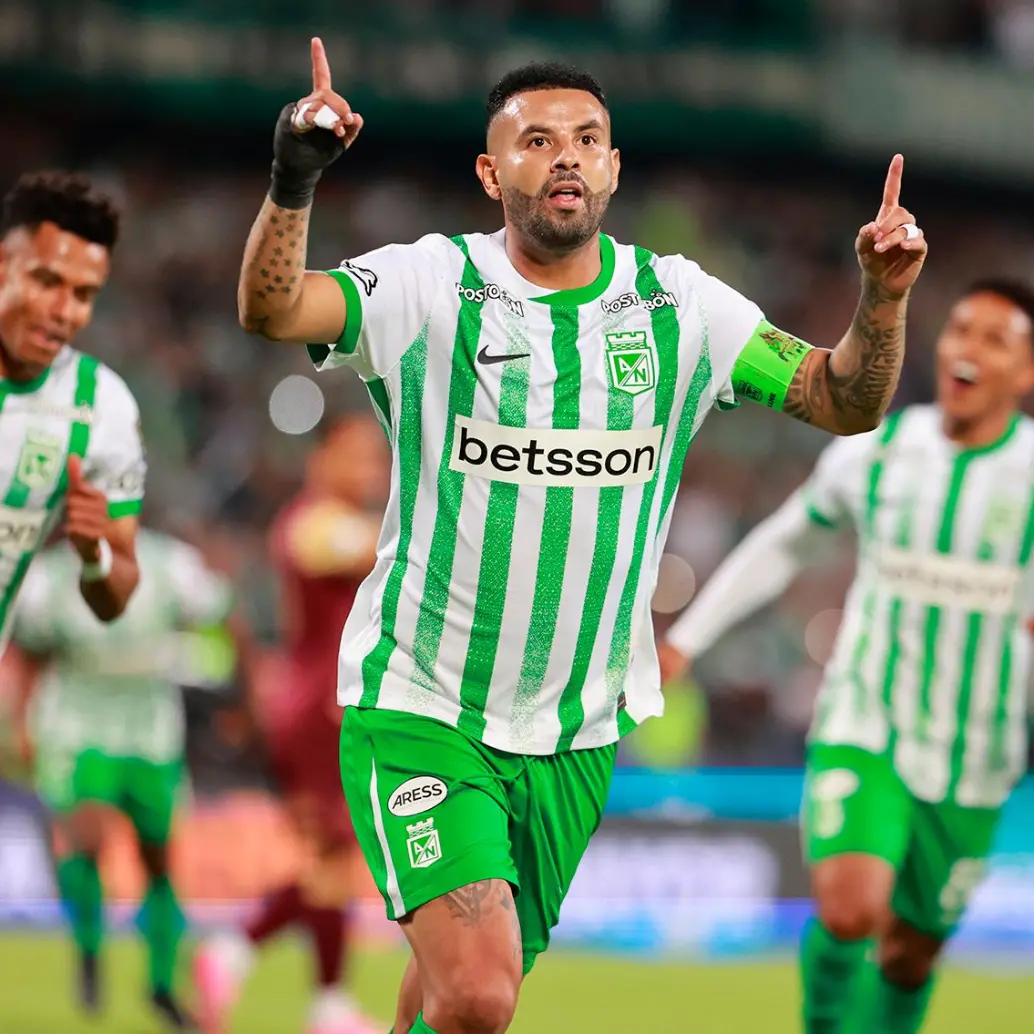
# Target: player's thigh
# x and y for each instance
(427, 804)
(96, 784)
(149, 798)
(945, 863)
(557, 809)
(54, 777)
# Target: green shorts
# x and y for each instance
(144, 790)
(855, 803)
(435, 810)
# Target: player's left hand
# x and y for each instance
(892, 249)
(86, 513)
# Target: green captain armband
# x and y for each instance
(767, 365)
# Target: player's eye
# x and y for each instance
(45, 277)
(588, 140)
(537, 141)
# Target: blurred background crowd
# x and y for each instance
(761, 169)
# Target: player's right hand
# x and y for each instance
(674, 663)
(319, 126)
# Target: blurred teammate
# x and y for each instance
(69, 428)
(540, 386)
(920, 732)
(323, 544)
(108, 728)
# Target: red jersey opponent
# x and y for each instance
(323, 544)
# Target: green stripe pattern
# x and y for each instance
(427, 636)
(556, 527)
(494, 571)
(665, 325)
(412, 371)
(18, 492)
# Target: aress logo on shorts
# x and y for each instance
(417, 795)
(555, 458)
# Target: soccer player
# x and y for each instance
(540, 387)
(920, 731)
(108, 727)
(324, 544)
(69, 428)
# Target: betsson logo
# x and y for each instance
(552, 459)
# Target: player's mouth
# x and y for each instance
(964, 374)
(48, 340)
(566, 195)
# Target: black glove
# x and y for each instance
(299, 160)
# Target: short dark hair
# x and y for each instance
(1018, 292)
(65, 198)
(541, 75)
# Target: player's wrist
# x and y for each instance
(99, 569)
(299, 160)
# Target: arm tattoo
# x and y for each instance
(848, 390)
(274, 263)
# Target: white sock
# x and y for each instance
(234, 951)
(331, 1006)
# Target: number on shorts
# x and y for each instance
(963, 880)
(827, 792)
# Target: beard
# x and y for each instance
(551, 229)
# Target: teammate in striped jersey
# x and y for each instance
(920, 732)
(69, 428)
(540, 387)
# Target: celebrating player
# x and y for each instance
(324, 544)
(540, 387)
(920, 732)
(68, 425)
(108, 729)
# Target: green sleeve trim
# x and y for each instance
(349, 340)
(127, 508)
(767, 364)
(818, 517)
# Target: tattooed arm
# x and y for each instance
(847, 390)
(276, 297)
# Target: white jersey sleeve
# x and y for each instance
(729, 321)
(835, 490)
(389, 294)
(203, 596)
(115, 461)
(35, 616)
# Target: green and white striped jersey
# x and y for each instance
(109, 686)
(933, 657)
(538, 443)
(76, 406)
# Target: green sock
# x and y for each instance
(890, 1008)
(162, 925)
(420, 1027)
(80, 887)
(829, 968)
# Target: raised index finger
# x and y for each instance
(320, 66)
(892, 188)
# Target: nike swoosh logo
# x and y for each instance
(488, 360)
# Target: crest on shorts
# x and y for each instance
(423, 844)
(40, 461)
(630, 362)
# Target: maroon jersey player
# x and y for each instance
(323, 544)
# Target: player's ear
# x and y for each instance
(615, 165)
(487, 173)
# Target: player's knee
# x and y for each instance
(474, 1003)
(852, 917)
